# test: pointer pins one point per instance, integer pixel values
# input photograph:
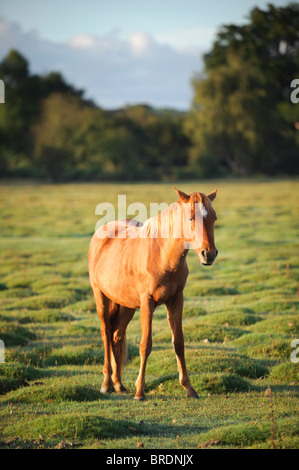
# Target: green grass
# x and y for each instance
(240, 318)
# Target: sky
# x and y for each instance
(121, 52)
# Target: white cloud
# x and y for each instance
(113, 71)
(141, 43)
(183, 39)
(82, 40)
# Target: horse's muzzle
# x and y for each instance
(207, 257)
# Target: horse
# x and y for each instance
(132, 266)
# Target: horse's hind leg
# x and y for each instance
(119, 326)
(102, 303)
(147, 308)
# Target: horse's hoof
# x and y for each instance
(105, 389)
(121, 389)
(140, 398)
(193, 395)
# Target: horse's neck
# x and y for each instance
(164, 231)
(173, 254)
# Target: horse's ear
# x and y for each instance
(184, 197)
(212, 195)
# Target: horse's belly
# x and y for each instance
(121, 294)
(118, 284)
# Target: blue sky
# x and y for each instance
(120, 51)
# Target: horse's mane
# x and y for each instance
(163, 224)
(170, 222)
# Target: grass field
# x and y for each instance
(240, 317)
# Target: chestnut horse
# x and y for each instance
(132, 266)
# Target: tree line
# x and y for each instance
(241, 122)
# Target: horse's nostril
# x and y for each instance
(203, 253)
(216, 253)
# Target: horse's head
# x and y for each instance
(200, 217)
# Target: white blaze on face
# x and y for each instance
(200, 210)
(193, 226)
(203, 210)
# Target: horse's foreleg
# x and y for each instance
(119, 326)
(102, 304)
(175, 310)
(146, 309)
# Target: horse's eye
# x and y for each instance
(190, 219)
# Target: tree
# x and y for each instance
(20, 110)
(238, 118)
(227, 125)
(55, 133)
(25, 94)
(162, 144)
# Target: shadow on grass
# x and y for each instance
(76, 428)
(154, 384)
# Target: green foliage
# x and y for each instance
(241, 121)
(25, 94)
(242, 118)
(62, 136)
(61, 117)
